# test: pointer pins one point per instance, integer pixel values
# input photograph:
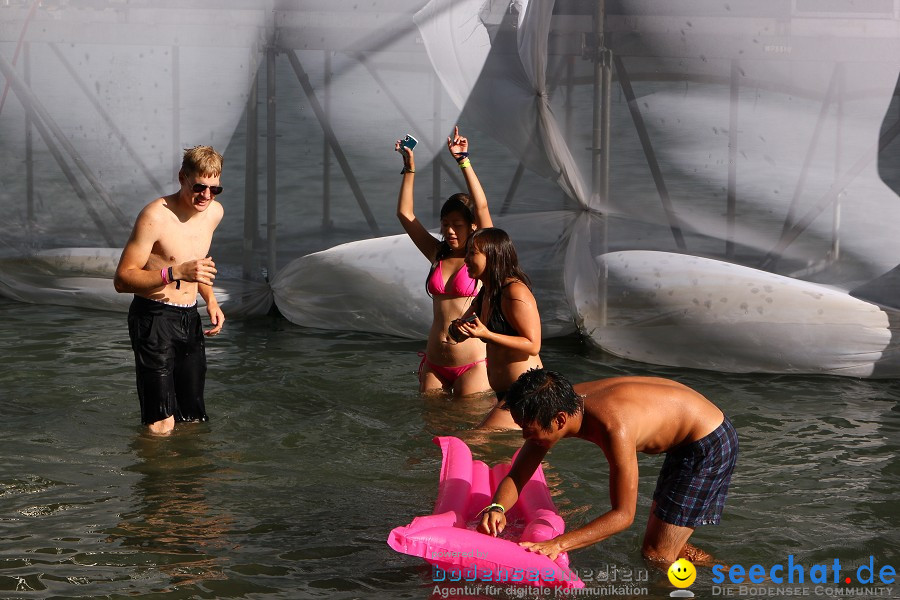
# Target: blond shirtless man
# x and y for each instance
(624, 416)
(165, 264)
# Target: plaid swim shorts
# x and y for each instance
(693, 482)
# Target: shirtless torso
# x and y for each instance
(164, 236)
(655, 415)
(625, 416)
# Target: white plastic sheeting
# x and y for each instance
(378, 285)
(83, 277)
(688, 311)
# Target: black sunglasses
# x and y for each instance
(215, 190)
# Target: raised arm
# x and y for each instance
(424, 241)
(459, 149)
(529, 458)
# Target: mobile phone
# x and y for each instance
(454, 333)
(409, 141)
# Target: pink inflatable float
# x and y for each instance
(448, 540)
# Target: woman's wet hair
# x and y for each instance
(538, 395)
(460, 203)
(502, 261)
(457, 203)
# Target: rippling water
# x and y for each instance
(318, 445)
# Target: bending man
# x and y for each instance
(624, 416)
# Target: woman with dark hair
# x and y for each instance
(448, 365)
(504, 315)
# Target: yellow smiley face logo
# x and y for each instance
(682, 573)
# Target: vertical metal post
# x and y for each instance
(270, 163)
(649, 152)
(791, 217)
(513, 186)
(326, 148)
(567, 107)
(29, 142)
(451, 172)
(838, 165)
(600, 139)
(339, 155)
(251, 179)
(107, 119)
(176, 108)
(731, 202)
(435, 165)
(601, 112)
(49, 129)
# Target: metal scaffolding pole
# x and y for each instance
(790, 219)
(829, 197)
(326, 151)
(49, 129)
(647, 145)
(271, 171)
(176, 112)
(303, 78)
(601, 108)
(513, 186)
(129, 149)
(414, 126)
(251, 179)
(568, 106)
(436, 133)
(731, 202)
(600, 143)
(29, 142)
(838, 165)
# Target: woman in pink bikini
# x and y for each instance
(450, 366)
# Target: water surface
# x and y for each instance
(318, 444)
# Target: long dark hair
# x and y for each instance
(457, 203)
(502, 261)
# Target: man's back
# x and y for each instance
(654, 414)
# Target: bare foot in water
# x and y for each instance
(697, 556)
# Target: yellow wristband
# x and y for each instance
(491, 507)
(462, 165)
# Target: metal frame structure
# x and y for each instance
(614, 39)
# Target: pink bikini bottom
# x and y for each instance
(447, 375)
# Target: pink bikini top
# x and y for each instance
(459, 284)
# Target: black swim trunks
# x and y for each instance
(170, 359)
(693, 483)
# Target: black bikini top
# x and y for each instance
(496, 322)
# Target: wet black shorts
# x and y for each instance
(693, 482)
(170, 359)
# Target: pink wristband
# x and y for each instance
(164, 273)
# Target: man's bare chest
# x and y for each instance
(184, 241)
